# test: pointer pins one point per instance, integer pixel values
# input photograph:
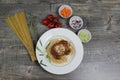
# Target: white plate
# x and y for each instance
(41, 52)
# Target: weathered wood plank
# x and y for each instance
(102, 54)
(57, 1)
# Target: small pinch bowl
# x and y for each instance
(76, 22)
(62, 7)
(84, 35)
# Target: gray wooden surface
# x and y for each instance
(101, 55)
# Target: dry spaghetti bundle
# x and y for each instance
(19, 25)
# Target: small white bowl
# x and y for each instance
(84, 35)
(62, 7)
(76, 22)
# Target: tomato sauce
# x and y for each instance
(60, 49)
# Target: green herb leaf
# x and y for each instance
(34, 17)
(32, 25)
(39, 49)
(29, 14)
(41, 54)
(41, 62)
(47, 45)
(48, 57)
(40, 42)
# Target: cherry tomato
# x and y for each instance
(56, 19)
(58, 25)
(51, 25)
(50, 17)
(45, 22)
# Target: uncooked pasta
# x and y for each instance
(19, 25)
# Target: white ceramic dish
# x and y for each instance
(86, 33)
(62, 7)
(41, 52)
(76, 22)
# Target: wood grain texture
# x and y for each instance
(101, 55)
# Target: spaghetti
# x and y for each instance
(19, 25)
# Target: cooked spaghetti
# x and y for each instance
(60, 51)
(19, 25)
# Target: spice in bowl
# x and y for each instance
(76, 22)
(84, 35)
(65, 11)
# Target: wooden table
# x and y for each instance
(101, 55)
